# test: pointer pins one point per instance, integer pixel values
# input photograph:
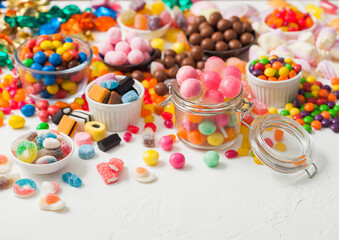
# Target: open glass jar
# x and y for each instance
(213, 127)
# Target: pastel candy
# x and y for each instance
(108, 175)
(116, 164)
(122, 46)
(255, 52)
(86, 152)
(8, 180)
(109, 84)
(66, 148)
(51, 143)
(50, 187)
(108, 76)
(328, 69)
(186, 72)
(130, 96)
(46, 160)
(57, 153)
(51, 202)
(4, 164)
(82, 138)
(24, 188)
(271, 40)
(114, 35)
(143, 175)
(27, 151)
(71, 179)
(326, 38)
(104, 47)
(135, 57)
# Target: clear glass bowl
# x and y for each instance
(71, 82)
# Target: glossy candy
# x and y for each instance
(166, 143)
(231, 154)
(16, 121)
(211, 158)
(177, 160)
(151, 157)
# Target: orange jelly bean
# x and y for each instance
(194, 118)
(61, 104)
(278, 135)
(145, 113)
(231, 134)
(75, 106)
(158, 109)
(182, 133)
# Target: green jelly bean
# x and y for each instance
(207, 127)
(42, 126)
(288, 66)
(254, 62)
(333, 113)
(315, 112)
(284, 112)
(27, 62)
(302, 108)
(323, 108)
(308, 119)
(308, 128)
(264, 61)
(211, 158)
(316, 107)
(2, 115)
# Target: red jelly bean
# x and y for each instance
(13, 104)
(151, 125)
(30, 101)
(231, 154)
(166, 115)
(21, 104)
(133, 129)
(51, 110)
(168, 123)
(43, 115)
(6, 110)
(269, 142)
(42, 104)
(128, 136)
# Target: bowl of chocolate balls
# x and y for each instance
(221, 37)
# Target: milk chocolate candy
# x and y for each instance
(115, 98)
(109, 142)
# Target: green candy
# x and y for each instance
(302, 108)
(316, 107)
(288, 66)
(211, 158)
(27, 62)
(323, 107)
(39, 147)
(308, 128)
(333, 113)
(2, 115)
(207, 127)
(308, 95)
(26, 151)
(315, 112)
(284, 112)
(264, 61)
(254, 62)
(42, 126)
(336, 108)
(308, 119)
(302, 80)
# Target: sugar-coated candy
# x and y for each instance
(82, 138)
(51, 202)
(151, 157)
(67, 126)
(107, 174)
(24, 188)
(166, 143)
(86, 151)
(148, 137)
(109, 142)
(16, 121)
(130, 96)
(109, 84)
(143, 175)
(28, 110)
(50, 187)
(231, 154)
(8, 180)
(177, 160)
(26, 151)
(4, 164)
(56, 152)
(51, 143)
(82, 117)
(116, 164)
(114, 35)
(211, 158)
(46, 160)
(127, 136)
(71, 179)
(58, 115)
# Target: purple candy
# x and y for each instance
(251, 68)
(257, 72)
(328, 88)
(335, 120)
(273, 60)
(318, 117)
(304, 113)
(282, 60)
(335, 127)
(336, 93)
(330, 104)
(301, 92)
(296, 103)
(326, 122)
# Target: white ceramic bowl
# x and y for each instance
(273, 93)
(45, 168)
(290, 35)
(117, 117)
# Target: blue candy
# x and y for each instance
(45, 94)
(49, 68)
(26, 182)
(39, 57)
(40, 139)
(103, 11)
(37, 66)
(82, 57)
(50, 135)
(50, 27)
(55, 59)
(130, 96)
(71, 179)
(68, 40)
(50, 80)
(86, 151)
(109, 84)
(27, 110)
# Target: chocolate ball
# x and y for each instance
(188, 62)
(161, 89)
(138, 75)
(207, 44)
(159, 61)
(73, 64)
(192, 28)
(206, 32)
(223, 25)
(157, 53)
(169, 62)
(234, 19)
(172, 72)
(179, 57)
(217, 36)
(197, 53)
(234, 44)
(237, 26)
(201, 65)
(221, 46)
(199, 19)
(214, 19)
(229, 35)
(160, 75)
(60, 68)
(247, 27)
(195, 39)
(246, 38)
(203, 25)
(170, 52)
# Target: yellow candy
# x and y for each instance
(269, 72)
(215, 139)
(56, 44)
(243, 151)
(335, 87)
(272, 110)
(149, 107)
(29, 78)
(151, 91)
(151, 157)
(16, 121)
(272, 57)
(315, 88)
(288, 60)
(246, 145)
(288, 106)
(300, 86)
(73, 91)
(244, 129)
(311, 79)
(315, 93)
(257, 161)
(53, 89)
(280, 147)
(5, 95)
(178, 47)
(172, 34)
(67, 46)
(262, 57)
(157, 7)
(314, 10)
(289, 116)
(8, 77)
(283, 71)
(79, 100)
(284, 28)
(294, 111)
(158, 43)
(60, 50)
(145, 83)
(68, 85)
(149, 118)
(46, 45)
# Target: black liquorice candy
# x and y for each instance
(59, 114)
(109, 142)
(125, 85)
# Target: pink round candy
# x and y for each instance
(222, 120)
(130, 36)
(30, 101)
(118, 58)
(82, 138)
(200, 73)
(146, 56)
(156, 66)
(42, 104)
(135, 57)
(6, 110)
(191, 88)
(188, 125)
(43, 115)
(148, 47)
(215, 64)
(185, 73)
(177, 160)
(127, 136)
(212, 96)
(231, 154)
(123, 47)
(104, 47)
(230, 70)
(137, 43)
(210, 80)
(166, 143)
(52, 110)
(230, 87)
(114, 35)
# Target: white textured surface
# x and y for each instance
(237, 200)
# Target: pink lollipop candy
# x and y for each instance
(230, 87)
(191, 89)
(123, 47)
(212, 96)
(185, 73)
(214, 64)
(230, 70)
(210, 80)
(188, 125)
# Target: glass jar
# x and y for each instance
(214, 127)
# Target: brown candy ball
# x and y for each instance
(203, 25)
(170, 52)
(157, 53)
(138, 75)
(217, 36)
(161, 89)
(214, 19)
(188, 62)
(234, 44)
(159, 61)
(172, 72)
(169, 62)
(201, 65)
(237, 26)
(223, 25)
(160, 75)
(195, 39)
(246, 38)
(234, 19)
(207, 44)
(60, 68)
(192, 28)
(197, 53)
(179, 57)
(221, 46)
(229, 35)
(247, 27)
(73, 64)
(199, 19)
(206, 32)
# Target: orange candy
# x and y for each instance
(331, 97)
(282, 78)
(272, 79)
(182, 133)
(300, 121)
(1, 122)
(158, 109)
(292, 74)
(194, 118)
(325, 114)
(173, 137)
(309, 107)
(277, 65)
(196, 138)
(61, 104)
(104, 23)
(263, 77)
(152, 83)
(75, 106)
(323, 93)
(236, 62)
(36, 49)
(56, 37)
(335, 81)
(316, 124)
(4, 103)
(48, 53)
(301, 98)
(95, 50)
(67, 56)
(231, 134)
(278, 135)
(145, 112)
(268, 65)
(23, 52)
(19, 97)
(309, 22)
(140, 22)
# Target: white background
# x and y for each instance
(237, 200)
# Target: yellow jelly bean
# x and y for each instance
(244, 129)
(288, 60)
(311, 79)
(149, 118)
(79, 100)
(68, 85)
(53, 89)
(257, 161)
(272, 110)
(280, 147)
(284, 28)
(145, 83)
(67, 46)
(284, 71)
(178, 47)
(158, 43)
(288, 106)
(151, 157)
(294, 111)
(46, 45)
(243, 151)
(73, 91)
(149, 107)
(172, 34)
(215, 139)
(246, 145)
(335, 87)
(151, 91)
(5, 95)
(56, 44)
(272, 57)
(16, 121)
(29, 78)
(289, 116)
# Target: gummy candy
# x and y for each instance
(71, 179)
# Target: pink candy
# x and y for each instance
(230, 70)
(231, 154)
(105, 47)
(43, 115)
(215, 64)
(177, 160)
(210, 80)
(138, 43)
(107, 174)
(230, 87)
(116, 164)
(212, 96)
(269, 142)
(166, 143)
(130, 36)
(186, 72)
(127, 136)
(66, 148)
(114, 35)
(108, 76)
(123, 47)
(42, 104)
(135, 57)
(188, 125)
(116, 58)
(222, 120)
(191, 89)
(82, 138)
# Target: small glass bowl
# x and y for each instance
(71, 82)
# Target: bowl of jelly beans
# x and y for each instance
(274, 80)
(53, 66)
(290, 20)
(148, 20)
(43, 151)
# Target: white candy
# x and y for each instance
(4, 167)
(46, 160)
(50, 187)
(54, 206)
(51, 143)
(143, 175)
(326, 38)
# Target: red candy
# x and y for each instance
(43, 115)
(231, 154)
(168, 123)
(42, 104)
(127, 136)
(133, 129)
(51, 110)
(108, 175)
(269, 142)
(151, 125)
(166, 115)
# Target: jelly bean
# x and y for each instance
(127, 136)
(231, 154)
(43, 115)
(207, 127)
(278, 135)
(280, 147)
(257, 161)
(211, 158)
(16, 121)
(133, 129)
(243, 151)
(151, 157)
(269, 142)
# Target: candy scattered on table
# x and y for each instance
(24, 188)
(86, 152)
(211, 158)
(8, 180)
(151, 157)
(143, 175)
(72, 179)
(50, 187)
(177, 160)
(51, 202)
(4, 164)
